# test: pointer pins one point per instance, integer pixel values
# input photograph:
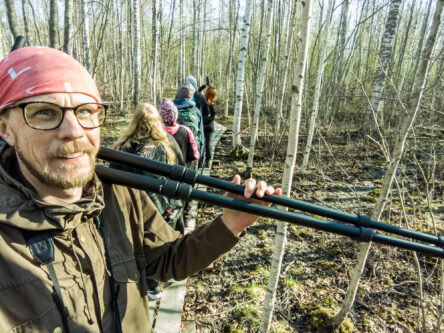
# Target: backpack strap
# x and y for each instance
(114, 288)
(42, 249)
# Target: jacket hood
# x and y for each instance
(190, 79)
(182, 103)
(21, 207)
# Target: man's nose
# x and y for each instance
(70, 127)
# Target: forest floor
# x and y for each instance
(347, 175)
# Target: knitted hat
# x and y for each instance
(32, 71)
(185, 90)
(168, 111)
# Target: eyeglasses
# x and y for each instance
(47, 116)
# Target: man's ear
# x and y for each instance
(5, 131)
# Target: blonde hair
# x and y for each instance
(146, 124)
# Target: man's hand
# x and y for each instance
(237, 221)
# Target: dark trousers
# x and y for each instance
(208, 131)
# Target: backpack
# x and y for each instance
(189, 118)
(170, 209)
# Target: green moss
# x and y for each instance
(329, 301)
(298, 271)
(334, 250)
(347, 326)
(319, 316)
(324, 264)
(261, 270)
(320, 240)
(370, 198)
(249, 314)
(256, 290)
(376, 191)
(235, 288)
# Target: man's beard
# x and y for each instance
(59, 179)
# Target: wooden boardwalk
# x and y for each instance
(168, 310)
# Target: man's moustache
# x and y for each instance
(70, 148)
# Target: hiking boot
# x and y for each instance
(169, 283)
(154, 294)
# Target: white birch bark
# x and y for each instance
(288, 46)
(232, 30)
(412, 108)
(137, 57)
(260, 86)
(421, 37)
(385, 51)
(193, 54)
(182, 45)
(155, 34)
(341, 39)
(12, 17)
(25, 22)
(290, 161)
(52, 23)
(67, 26)
(319, 77)
(241, 75)
(85, 39)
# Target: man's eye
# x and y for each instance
(45, 113)
(85, 112)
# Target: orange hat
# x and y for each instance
(32, 71)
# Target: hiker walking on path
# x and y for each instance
(181, 133)
(208, 119)
(76, 251)
(189, 115)
(146, 137)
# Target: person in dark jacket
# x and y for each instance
(208, 119)
(189, 115)
(201, 105)
(106, 239)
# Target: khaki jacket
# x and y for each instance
(139, 243)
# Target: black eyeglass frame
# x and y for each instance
(63, 108)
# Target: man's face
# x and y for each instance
(63, 157)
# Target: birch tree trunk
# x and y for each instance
(319, 77)
(167, 51)
(260, 87)
(85, 40)
(137, 57)
(421, 38)
(237, 142)
(182, 45)
(290, 161)
(341, 40)
(12, 17)
(411, 110)
(193, 55)
(287, 53)
(385, 51)
(52, 23)
(25, 22)
(155, 28)
(233, 22)
(67, 26)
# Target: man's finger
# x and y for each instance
(250, 186)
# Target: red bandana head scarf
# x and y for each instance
(32, 71)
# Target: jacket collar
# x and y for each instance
(21, 207)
